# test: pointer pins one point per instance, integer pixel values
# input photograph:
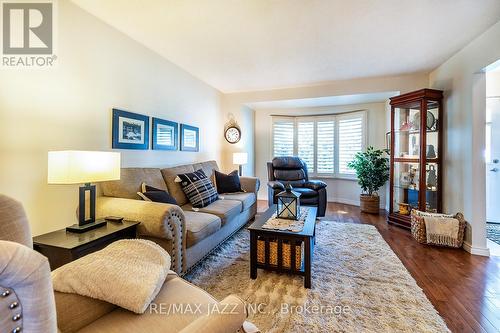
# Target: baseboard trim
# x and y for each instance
(343, 201)
(353, 202)
(478, 251)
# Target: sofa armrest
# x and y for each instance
(158, 220)
(25, 280)
(228, 317)
(315, 184)
(276, 185)
(250, 184)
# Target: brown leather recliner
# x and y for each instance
(293, 170)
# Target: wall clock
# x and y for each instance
(232, 134)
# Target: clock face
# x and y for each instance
(233, 135)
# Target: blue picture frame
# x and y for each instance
(130, 130)
(165, 135)
(190, 138)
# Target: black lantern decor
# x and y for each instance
(288, 204)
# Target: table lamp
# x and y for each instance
(240, 159)
(83, 167)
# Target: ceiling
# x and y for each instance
(325, 101)
(239, 45)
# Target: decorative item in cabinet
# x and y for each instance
(415, 157)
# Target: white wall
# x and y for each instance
(493, 84)
(69, 107)
(339, 190)
(462, 80)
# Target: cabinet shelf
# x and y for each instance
(416, 160)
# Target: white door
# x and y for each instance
(493, 159)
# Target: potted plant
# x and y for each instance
(372, 170)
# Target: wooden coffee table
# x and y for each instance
(306, 236)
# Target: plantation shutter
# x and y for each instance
(325, 147)
(305, 143)
(351, 140)
(283, 137)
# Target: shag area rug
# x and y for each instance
(493, 232)
(358, 285)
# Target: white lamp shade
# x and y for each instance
(77, 167)
(240, 158)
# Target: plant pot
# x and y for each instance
(369, 203)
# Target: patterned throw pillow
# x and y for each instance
(198, 188)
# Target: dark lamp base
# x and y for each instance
(86, 227)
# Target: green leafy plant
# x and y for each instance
(372, 169)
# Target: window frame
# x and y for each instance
(326, 117)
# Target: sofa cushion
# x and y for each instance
(247, 199)
(200, 225)
(175, 291)
(225, 209)
(208, 168)
(198, 188)
(130, 182)
(175, 189)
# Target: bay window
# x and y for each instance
(325, 143)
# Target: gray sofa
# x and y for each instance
(188, 235)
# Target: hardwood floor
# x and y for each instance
(465, 289)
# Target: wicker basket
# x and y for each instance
(418, 228)
(273, 253)
(369, 203)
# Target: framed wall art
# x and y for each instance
(190, 138)
(165, 134)
(130, 130)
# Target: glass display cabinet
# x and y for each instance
(415, 150)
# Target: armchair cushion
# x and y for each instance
(175, 291)
(276, 185)
(305, 192)
(315, 184)
(289, 175)
(228, 321)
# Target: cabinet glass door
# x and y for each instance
(432, 133)
(431, 190)
(406, 131)
(406, 187)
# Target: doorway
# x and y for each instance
(492, 155)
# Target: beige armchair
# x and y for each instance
(29, 304)
(26, 294)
